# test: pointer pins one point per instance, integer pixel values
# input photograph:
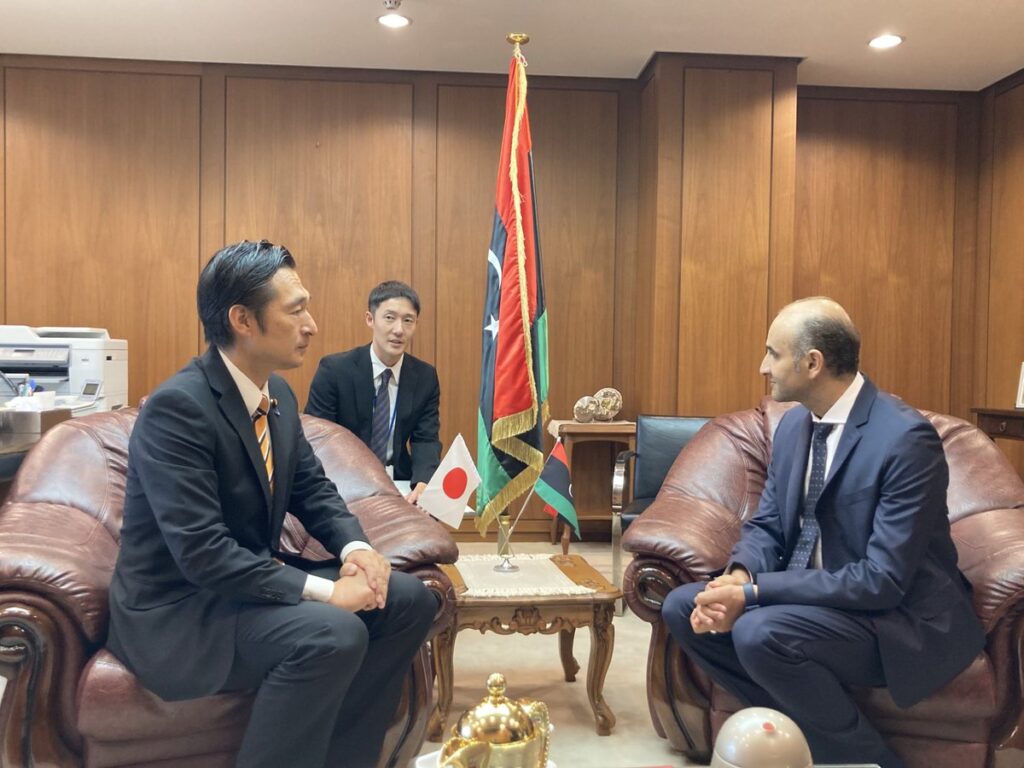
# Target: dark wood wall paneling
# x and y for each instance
(102, 211)
(341, 166)
(1003, 227)
(677, 214)
(716, 202)
(875, 205)
(325, 168)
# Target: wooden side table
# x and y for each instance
(573, 432)
(1001, 422)
(532, 614)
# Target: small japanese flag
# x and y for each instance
(448, 490)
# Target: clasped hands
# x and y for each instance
(720, 604)
(363, 582)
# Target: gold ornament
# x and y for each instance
(585, 409)
(498, 733)
(609, 403)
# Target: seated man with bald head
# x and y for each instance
(847, 575)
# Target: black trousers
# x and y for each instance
(329, 680)
(796, 659)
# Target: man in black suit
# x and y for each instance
(847, 575)
(200, 600)
(385, 396)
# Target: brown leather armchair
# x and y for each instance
(68, 701)
(688, 532)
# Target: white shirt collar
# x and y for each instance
(378, 366)
(839, 413)
(251, 394)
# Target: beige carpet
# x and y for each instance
(532, 669)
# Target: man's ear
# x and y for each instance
(815, 362)
(369, 319)
(242, 321)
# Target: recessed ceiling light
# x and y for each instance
(393, 19)
(886, 41)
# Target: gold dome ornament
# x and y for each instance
(499, 733)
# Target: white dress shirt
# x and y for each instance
(838, 414)
(316, 587)
(396, 371)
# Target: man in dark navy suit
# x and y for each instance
(846, 575)
(382, 393)
(201, 600)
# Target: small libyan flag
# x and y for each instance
(454, 480)
(554, 486)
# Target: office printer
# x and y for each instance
(65, 360)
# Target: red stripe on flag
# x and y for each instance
(512, 391)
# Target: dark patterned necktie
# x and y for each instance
(381, 418)
(809, 529)
(262, 427)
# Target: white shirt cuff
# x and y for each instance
(352, 546)
(317, 588)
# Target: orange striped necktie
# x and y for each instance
(262, 426)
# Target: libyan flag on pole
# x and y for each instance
(514, 366)
(555, 487)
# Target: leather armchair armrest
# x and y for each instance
(61, 555)
(440, 586)
(619, 478)
(694, 536)
(990, 546)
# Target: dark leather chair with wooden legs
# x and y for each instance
(687, 533)
(68, 701)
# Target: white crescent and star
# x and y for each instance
(492, 259)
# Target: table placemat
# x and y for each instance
(537, 575)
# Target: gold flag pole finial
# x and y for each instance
(517, 39)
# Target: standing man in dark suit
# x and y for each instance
(200, 600)
(847, 575)
(384, 395)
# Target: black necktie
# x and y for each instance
(809, 529)
(381, 418)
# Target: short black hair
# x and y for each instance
(237, 274)
(838, 342)
(392, 289)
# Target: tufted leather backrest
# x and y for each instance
(980, 476)
(80, 463)
(83, 463)
(727, 463)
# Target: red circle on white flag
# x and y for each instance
(454, 483)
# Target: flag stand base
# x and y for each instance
(506, 566)
(505, 545)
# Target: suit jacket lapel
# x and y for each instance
(801, 454)
(364, 393)
(406, 394)
(231, 405)
(851, 432)
(282, 437)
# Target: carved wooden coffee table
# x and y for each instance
(530, 614)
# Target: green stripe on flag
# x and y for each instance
(541, 337)
(493, 476)
(561, 505)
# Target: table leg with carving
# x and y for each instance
(569, 664)
(443, 651)
(602, 643)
